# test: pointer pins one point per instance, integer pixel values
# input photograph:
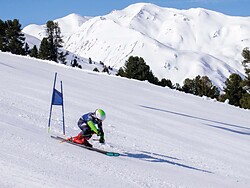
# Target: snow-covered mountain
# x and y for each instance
(68, 24)
(176, 44)
(166, 138)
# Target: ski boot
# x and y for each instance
(79, 139)
(86, 143)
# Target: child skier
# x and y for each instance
(90, 123)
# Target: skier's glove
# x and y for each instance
(99, 133)
(102, 140)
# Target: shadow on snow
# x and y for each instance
(159, 158)
(227, 129)
(246, 132)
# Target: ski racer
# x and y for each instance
(90, 123)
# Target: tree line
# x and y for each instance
(236, 90)
(12, 40)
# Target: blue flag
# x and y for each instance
(57, 98)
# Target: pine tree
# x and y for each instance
(34, 52)
(2, 36)
(245, 101)
(55, 41)
(135, 68)
(105, 69)
(166, 82)
(14, 37)
(201, 86)
(90, 60)
(233, 90)
(121, 72)
(152, 78)
(26, 49)
(96, 70)
(62, 57)
(197, 85)
(74, 63)
(207, 88)
(178, 87)
(188, 86)
(58, 37)
(44, 50)
(52, 53)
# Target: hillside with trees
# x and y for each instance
(236, 91)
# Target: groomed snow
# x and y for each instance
(166, 138)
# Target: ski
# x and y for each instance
(108, 153)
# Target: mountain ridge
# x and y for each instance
(176, 44)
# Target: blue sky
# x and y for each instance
(40, 11)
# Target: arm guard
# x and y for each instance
(92, 126)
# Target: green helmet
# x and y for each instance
(100, 114)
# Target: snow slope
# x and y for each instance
(176, 44)
(166, 138)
